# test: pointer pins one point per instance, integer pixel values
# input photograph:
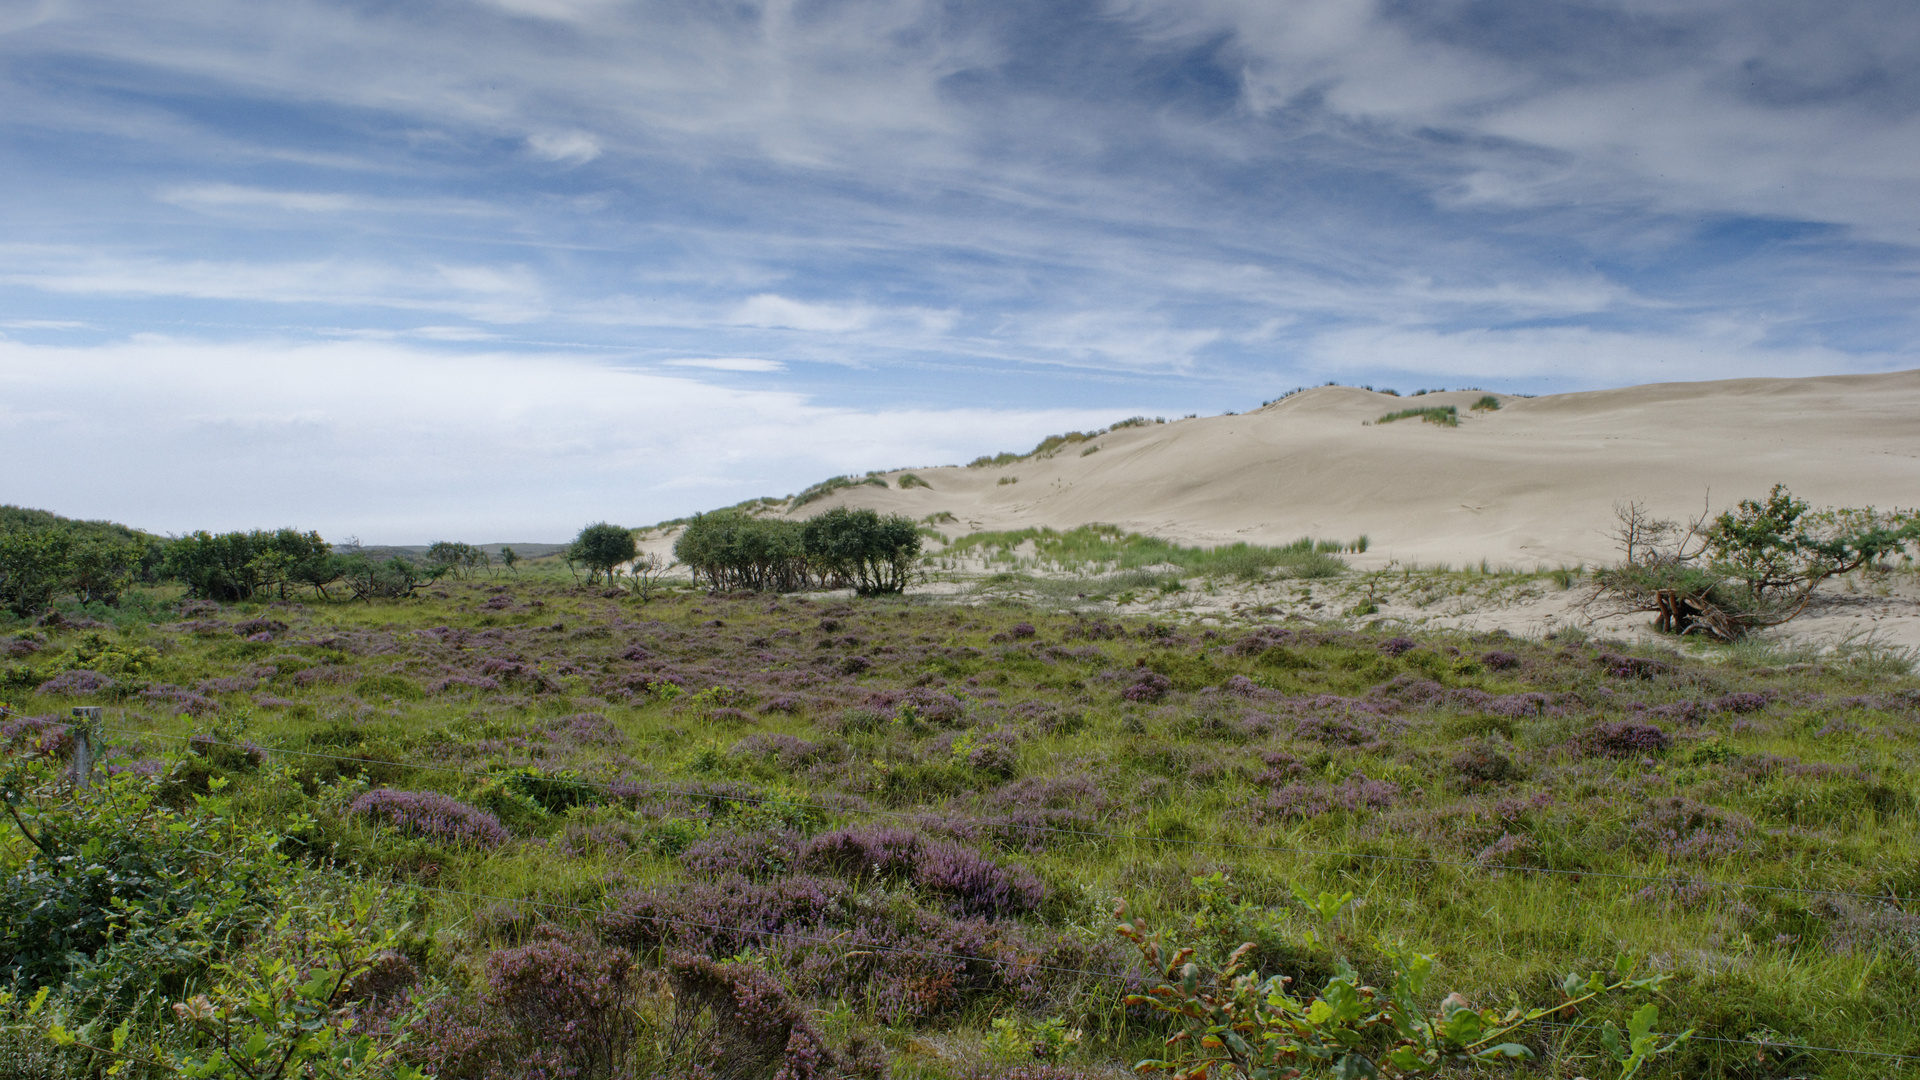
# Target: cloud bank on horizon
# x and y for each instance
(492, 269)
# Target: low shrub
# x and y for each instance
(432, 816)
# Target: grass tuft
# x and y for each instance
(1444, 415)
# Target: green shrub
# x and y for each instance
(600, 548)
(1487, 403)
(1444, 415)
(35, 566)
(734, 551)
(827, 487)
(861, 549)
(243, 565)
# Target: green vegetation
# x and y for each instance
(842, 548)
(601, 548)
(1487, 403)
(1097, 547)
(1748, 568)
(818, 491)
(1444, 415)
(1053, 444)
(517, 825)
(911, 480)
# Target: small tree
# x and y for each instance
(860, 548)
(510, 559)
(1745, 569)
(600, 547)
(647, 570)
(462, 559)
(34, 567)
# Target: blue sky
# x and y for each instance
(490, 270)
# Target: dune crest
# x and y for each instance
(1533, 482)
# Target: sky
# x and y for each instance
(493, 269)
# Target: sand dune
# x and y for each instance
(1532, 483)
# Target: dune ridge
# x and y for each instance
(1532, 483)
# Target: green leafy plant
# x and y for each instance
(600, 548)
(277, 1011)
(1746, 569)
(1238, 1024)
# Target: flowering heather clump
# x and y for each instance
(859, 852)
(1743, 702)
(252, 627)
(1281, 768)
(1147, 686)
(1077, 792)
(431, 815)
(974, 884)
(1499, 661)
(1678, 712)
(785, 703)
(1396, 646)
(756, 856)
(77, 682)
(1305, 801)
(1334, 731)
(1624, 739)
(1632, 667)
(44, 735)
(1481, 764)
(458, 683)
(1242, 686)
(1509, 850)
(1022, 630)
(1518, 705)
(790, 751)
(928, 706)
(185, 702)
(227, 686)
(1681, 828)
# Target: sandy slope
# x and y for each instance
(1530, 484)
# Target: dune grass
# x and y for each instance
(1443, 415)
(1095, 547)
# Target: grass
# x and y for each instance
(1444, 415)
(1487, 403)
(1240, 767)
(1093, 547)
(827, 487)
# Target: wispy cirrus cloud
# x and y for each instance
(901, 201)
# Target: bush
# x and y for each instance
(242, 565)
(34, 567)
(859, 548)
(113, 868)
(600, 547)
(431, 815)
(735, 551)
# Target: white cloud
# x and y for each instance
(400, 444)
(734, 363)
(1583, 357)
(487, 293)
(226, 195)
(779, 312)
(571, 147)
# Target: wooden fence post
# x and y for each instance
(85, 730)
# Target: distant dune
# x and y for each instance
(1530, 483)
